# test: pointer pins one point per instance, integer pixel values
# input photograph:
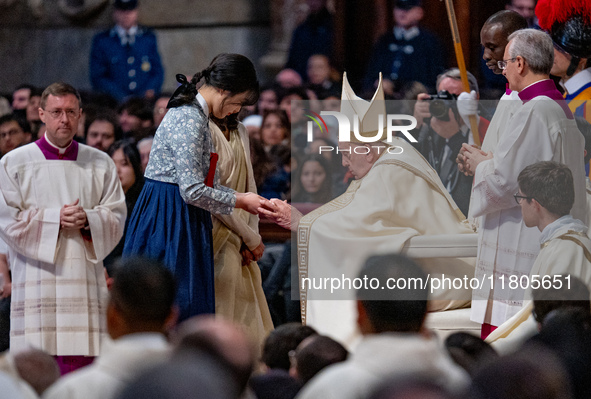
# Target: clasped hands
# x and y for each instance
(470, 157)
(73, 217)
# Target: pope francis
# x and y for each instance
(396, 195)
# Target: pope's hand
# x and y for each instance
(281, 213)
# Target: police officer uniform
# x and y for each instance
(406, 55)
(125, 63)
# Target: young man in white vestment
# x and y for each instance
(62, 210)
(546, 195)
(394, 344)
(396, 195)
(543, 128)
(140, 310)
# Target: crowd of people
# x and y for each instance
(131, 260)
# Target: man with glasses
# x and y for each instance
(62, 210)
(542, 128)
(546, 195)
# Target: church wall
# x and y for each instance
(41, 44)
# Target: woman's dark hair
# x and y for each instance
(232, 72)
(229, 123)
(282, 115)
(263, 164)
(321, 196)
(132, 154)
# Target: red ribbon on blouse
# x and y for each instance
(213, 161)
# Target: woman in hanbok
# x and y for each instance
(237, 244)
(172, 217)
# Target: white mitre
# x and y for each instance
(369, 112)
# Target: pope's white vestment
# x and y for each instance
(59, 290)
(400, 197)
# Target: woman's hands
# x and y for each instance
(251, 255)
(250, 202)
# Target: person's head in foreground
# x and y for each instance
(142, 298)
(546, 193)
(221, 339)
(399, 310)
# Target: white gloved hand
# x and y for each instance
(468, 105)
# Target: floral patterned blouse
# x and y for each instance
(181, 155)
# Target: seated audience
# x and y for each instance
(253, 126)
(288, 78)
(394, 343)
(21, 96)
(101, 129)
(139, 313)
(126, 157)
(14, 132)
(135, 118)
(202, 377)
(469, 351)
(320, 77)
(160, 108)
(221, 339)
(314, 354)
(144, 146)
(312, 181)
(535, 374)
(275, 129)
(276, 381)
(411, 388)
(33, 112)
(268, 100)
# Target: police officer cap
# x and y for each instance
(573, 36)
(125, 4)
(407, 4)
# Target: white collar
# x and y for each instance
(125, 35)
(60, 149)
(406, 34)
(577, 81)
(203, 104)
(121, 31)
(566, 221)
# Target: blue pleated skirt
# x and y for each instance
(163, 226)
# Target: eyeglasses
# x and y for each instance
(519, 197)
(70, 113)
(503, 64)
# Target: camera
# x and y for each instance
(441, 103)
